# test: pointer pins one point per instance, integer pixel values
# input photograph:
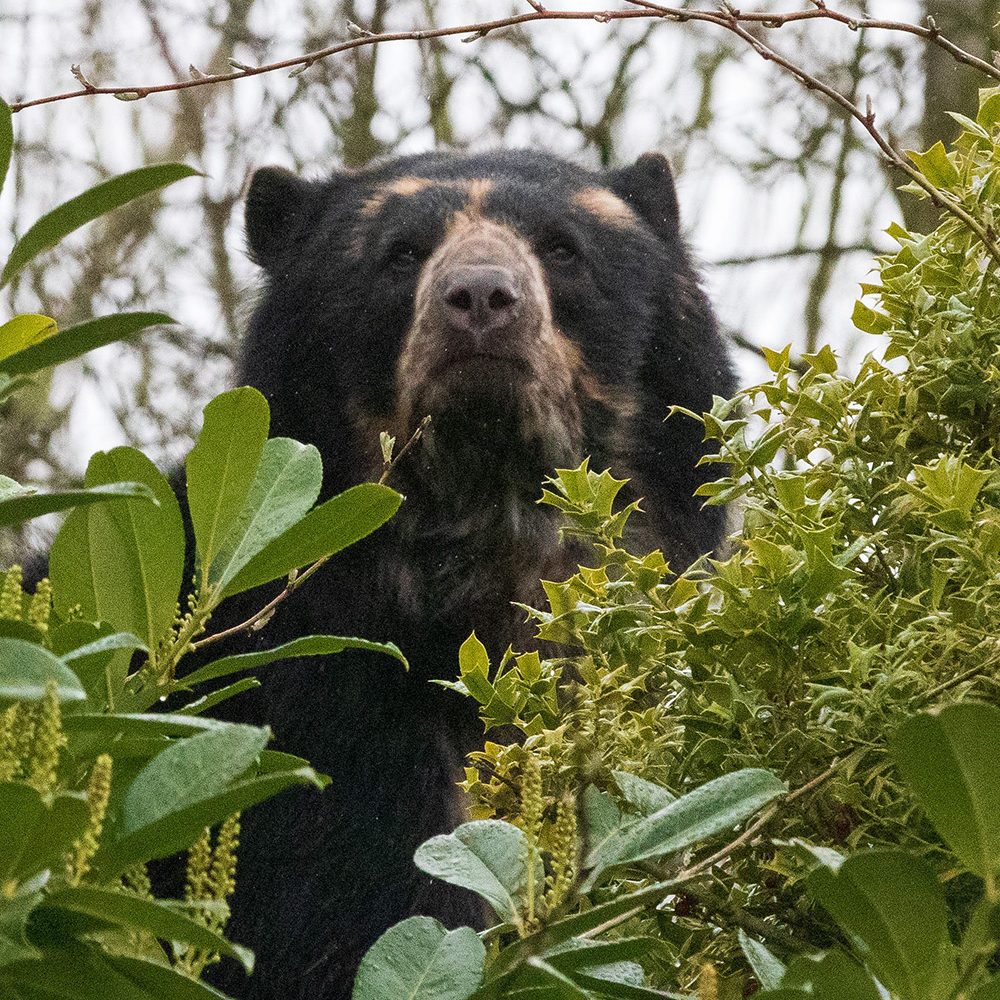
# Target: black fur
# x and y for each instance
(321, 876)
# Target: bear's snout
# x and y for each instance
(479, 300)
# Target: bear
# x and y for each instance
(538, 312)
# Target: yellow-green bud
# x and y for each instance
(11, 595)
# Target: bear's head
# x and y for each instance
(538, 311)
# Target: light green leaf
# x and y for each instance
(419, 959)
(135, 913)
(6, 139)
(890, 905)
(222, 465)
(84, 208)
(488, 857)
(868, 320)
(715, 807)
(949, 761)
(123, 563)
(24, 331)
(286, 485)
(646, 796)
(26, 504)
(35, 832)
(832, 976)
(14, 943)
(325, 530)
(76, 340)
(307, 645)
(767, 969)
(26, 669)
(936, 166)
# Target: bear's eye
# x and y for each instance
(559, 251)
(402, 256)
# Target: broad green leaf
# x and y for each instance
(23, 506)
(151, 829)
(222, 465)
(24, 331)
(646, 796)
(936, 166)
(330, 527)
(286, 486)
(307, 645)
(14, 943)
(949, 760)
(419, 959)
(140, 725)
(207, 702)
(135, 913)
(92, 649)
(868, 320)
(123, 563)
(891, 907)
(990, 990)
(989, 108)
(715, 807)
(767, 969)
(26, 669)
(546, 974)
(76, 340)
(6, 139)
(36, 833)
(86, 207)
(488, 857)
(832, 976)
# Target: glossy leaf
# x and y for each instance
(23, 331)
(714, 808)
(891, 906)
(76, 340)
(307, 645)
(286, 485)
(35, 832)
(419, 959)
(26, 669)
(767, 969)
(86, 207)
(138, 914)
(16, 507)
(327, 529)
(222, 465)
(488, 857)
(122, 563)
(832, 976)
(949, 761)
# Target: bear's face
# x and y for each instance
(537, 311)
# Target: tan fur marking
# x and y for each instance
(606, 205)
(478, 191)
(404, 186)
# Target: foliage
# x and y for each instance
(93, 783)
(863, 590)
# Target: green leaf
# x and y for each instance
(714, 808)
(990, 990)
(307, 645)
(76, 340)
(832, 976)
(419, 959)
(84, 208)
(949, 761)
(122, 563)
(16, 507)
(891, 907)
(767, 969)
(26, 669)
(868, 320)
(936, 166)
(135, 913)
(14, 943)
(646, 796)
(194, 783)
(24, 331)
(286, 486)
(222, 465)
(35, 832)
(487, 857)
(330, 527)
(6, 139)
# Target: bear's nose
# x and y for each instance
(481, 298)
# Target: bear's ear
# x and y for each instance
(648, 187)
(276, 204)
